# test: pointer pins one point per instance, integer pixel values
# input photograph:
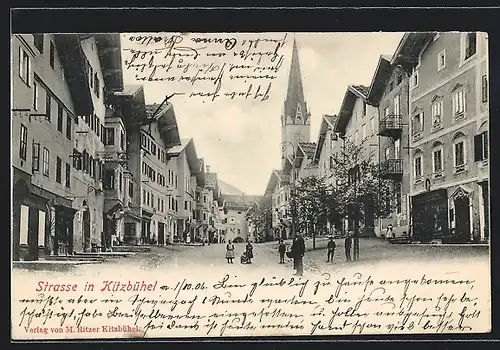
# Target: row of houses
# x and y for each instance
(424, 119)
(93, 165)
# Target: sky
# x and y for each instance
(240, 138)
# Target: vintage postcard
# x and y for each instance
(187, 185)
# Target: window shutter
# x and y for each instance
(477, 148)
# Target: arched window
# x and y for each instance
(418, 165)
(459, 152)
(437, 159)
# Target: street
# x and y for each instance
(375, 254)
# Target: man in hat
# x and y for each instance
(298, 249)
(330, 250)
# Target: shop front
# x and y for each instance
(430, 216)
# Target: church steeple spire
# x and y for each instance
(295, 106)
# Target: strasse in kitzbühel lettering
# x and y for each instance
(250, 184)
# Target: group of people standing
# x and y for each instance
(297, 252)
(247, 256)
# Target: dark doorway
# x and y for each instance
(462, 219)
(86, 231)
(129, 234)
(161, 233)
(486, 204)
(33, 234)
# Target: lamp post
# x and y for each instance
(293, 209)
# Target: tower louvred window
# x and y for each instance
(299, 112)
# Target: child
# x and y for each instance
(281, 250)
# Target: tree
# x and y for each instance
(260, 216)
(312, 202)
(360, 194)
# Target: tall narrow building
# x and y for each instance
(295, 118)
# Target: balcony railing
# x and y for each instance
(391, 169)
(391, 126)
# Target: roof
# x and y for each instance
(195, 163)
(295, 91)
(227, 189)
(110, 58)
(273, 180)
(327, 122)
(379, 80)
(353, 92)
(242, 201)
(167, 122)
(409, 48)
(308, 148)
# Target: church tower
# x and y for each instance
(295, 118)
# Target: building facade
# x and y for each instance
(356, 124)
(58, 110)
(449, 135)
(389, 92)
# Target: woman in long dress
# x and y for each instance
(229, 252)
(249, 252)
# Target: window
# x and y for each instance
(414, 79)
(470, 45)
(363, 132)
(48, 106)
(399, 78)
(397, 196)
(372, 125)
(110, 136)
(437, 159)
(130, 189)
(24, 66)
(120, 182)
(52, 55)
(397, 105)
(23, 143)
(459, 154)
(35, 96)
(387, 153)
(386, 111)
(122, 141)
(68, 175)
(38, 41)
(153, 148)
(397, 149)
(109, 178)
(356, 137)
(458, 103)
(418, 123)
(481, 147)
(59, 118)
(68, 126)
(58, 169)
(143, 196)
(36, 157)
(364, 108)
(484, 88)
(418, 167)
(46, 161)
(436, 112)
(97, 88)
(91, 76)
(441, 60)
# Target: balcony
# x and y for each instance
(391, 169)
(391, 126)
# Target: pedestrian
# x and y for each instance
(298, 249)
(390, 232)
(348, 244)
(282, 250)
(229, 252)
(249, 251)
(331, 250)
